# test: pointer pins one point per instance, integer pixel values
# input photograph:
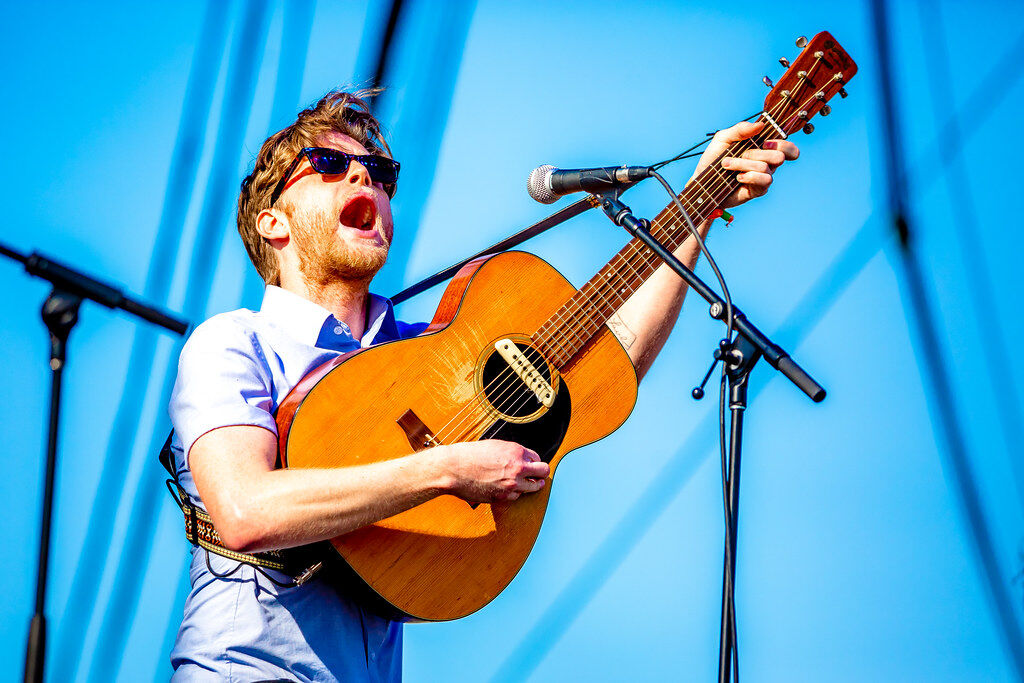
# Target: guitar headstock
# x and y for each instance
(817, 74)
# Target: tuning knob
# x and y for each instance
(767, 81)
(826, 110)
(801, 42)
(784, 62)
(843, 93)
(808, 128)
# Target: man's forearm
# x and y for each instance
(297, 506)
(255, 507)
(653, 309)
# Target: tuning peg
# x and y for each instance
(784, 62)
(843, 93)
(808, 128)
(767, 81)
(802, 114)
(826, 110)
(801, 42)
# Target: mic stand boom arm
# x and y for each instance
(739, 356)
(60, 313)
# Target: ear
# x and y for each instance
(273, 225)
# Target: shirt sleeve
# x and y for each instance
(223, 380)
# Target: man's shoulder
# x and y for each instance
(224, 330)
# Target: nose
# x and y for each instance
(358, 175)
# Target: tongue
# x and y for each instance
(360, 213)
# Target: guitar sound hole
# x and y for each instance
(507, 393)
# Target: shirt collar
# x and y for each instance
(304, 320)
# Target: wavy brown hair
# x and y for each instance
(336, 112)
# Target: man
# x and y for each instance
(315, 218)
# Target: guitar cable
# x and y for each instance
(729, 588)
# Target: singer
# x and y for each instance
(315, 217)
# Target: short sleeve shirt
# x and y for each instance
(235, 369)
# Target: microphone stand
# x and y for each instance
(739, 355)
(60, 313)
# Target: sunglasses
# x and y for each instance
(335, 162)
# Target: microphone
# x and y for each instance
(547, 183)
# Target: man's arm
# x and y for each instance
(651, 312)
(255, 507)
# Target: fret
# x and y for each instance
(587, 311)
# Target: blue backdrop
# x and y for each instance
(129, 127)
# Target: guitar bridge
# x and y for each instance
(419, 435)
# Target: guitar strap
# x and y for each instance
(560, 216)
(299, 563)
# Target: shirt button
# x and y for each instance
(338, 330)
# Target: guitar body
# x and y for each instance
(445, 559)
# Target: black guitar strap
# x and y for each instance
(571, 211)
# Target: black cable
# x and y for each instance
(727, 511)
(686, 153)
(704, 250)
(729, 587)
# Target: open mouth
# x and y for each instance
(360, 213)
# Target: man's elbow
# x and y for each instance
(241, 531)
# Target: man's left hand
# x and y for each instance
(754, 167)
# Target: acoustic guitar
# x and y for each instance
(514, 352)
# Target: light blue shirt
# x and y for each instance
(235, 369)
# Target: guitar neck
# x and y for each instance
(583, 315)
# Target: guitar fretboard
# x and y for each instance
(584, 314)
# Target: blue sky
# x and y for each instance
(855, 559)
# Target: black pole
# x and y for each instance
(60, 313)
(380, 70)
(743, 356)
(739, 355)
(932, 366)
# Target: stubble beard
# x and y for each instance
(324, 259)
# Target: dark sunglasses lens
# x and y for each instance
(329, 162)
(382, 169)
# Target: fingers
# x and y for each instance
(531, 485)
(746, 164)
(790, 150)
(536, 470)
(772, 157)
(740, 131)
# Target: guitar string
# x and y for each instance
(591, 301)
(648, 265)
(755, 140)
(623, 260)
(588, 302)
(673, 213)
(594, 298)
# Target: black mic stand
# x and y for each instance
(739, 355)
(60, 313)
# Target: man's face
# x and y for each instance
(341, 225)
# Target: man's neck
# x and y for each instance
(346, 300)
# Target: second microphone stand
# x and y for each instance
(739, 355)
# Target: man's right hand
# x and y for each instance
(492, 471)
